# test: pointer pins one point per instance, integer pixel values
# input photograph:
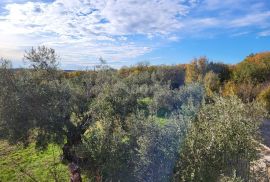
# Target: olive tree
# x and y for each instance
(39, 105)
(134, 143)
(221, 140)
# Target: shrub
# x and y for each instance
(255, 67)
(211, 83)
(221, 137)
(229, 89)
(264, 97)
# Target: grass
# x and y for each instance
(28, 164)
(161, 121)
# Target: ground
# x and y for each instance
(27, 164)
(261, 169)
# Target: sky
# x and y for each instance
(125, 32)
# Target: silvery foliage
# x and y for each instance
(159, 144)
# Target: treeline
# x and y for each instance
(193, 122)
(249, 79)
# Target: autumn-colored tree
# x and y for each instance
(255, 68)
(211, 83)
(229, 89)
(196, 70)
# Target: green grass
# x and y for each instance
(22, 164)
(145, 101)
(161, 121)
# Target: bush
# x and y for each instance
(221, 138)
(264, 97)
(255, 68)
(211, 83)
(229, 89)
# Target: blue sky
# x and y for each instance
(125, 32)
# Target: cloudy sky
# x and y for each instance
(124, 32)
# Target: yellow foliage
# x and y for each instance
(229, 89)
(211, 83)
(72, 74)
(97, 127)
(196, 70)
(255, 68)
(257, 58)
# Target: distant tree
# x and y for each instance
(255, 68)
(222, 70)
(172, 75)
(102, 65)
(247, 91)
(229, 89)
(211, 83)
(42, 58)
(196, 70)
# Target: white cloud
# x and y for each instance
(87, 29)
(251, 20)
(265, 33)
(218, 4)
(239, 34)
(83, 30)
(229, 17)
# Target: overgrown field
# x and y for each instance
(193, 122)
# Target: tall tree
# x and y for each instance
(38, 104)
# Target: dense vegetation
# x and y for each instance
(194, 122)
